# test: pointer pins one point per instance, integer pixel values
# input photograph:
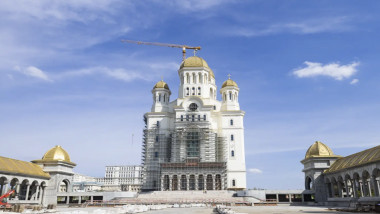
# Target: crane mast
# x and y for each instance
(184, 47)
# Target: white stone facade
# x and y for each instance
(122, 178)
(182, 135)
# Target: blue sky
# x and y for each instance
(307, 71)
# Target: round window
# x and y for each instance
(193, 106)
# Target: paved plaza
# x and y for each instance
(209, 210)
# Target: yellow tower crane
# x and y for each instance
(184, 47)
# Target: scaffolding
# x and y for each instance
(189, 157)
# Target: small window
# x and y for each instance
(230, 96)
(232, 137)
(159, 98)
(187, 91)
(192, 117)
(158, 124)
(199, 90)
(233, 183)
(232, 153)
(181, 117)
(214, 107)
(199, 117)
(156, 154)
(156, 138)
(231, 122)
(193, 91)
(187, 117)
(204, 117)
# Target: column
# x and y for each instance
(204, 183)
(41, 201)
(17, 191)
(162, 183)
(354, 188)
(222, 183)
(377, 182)
(67, 199)
(277, 198)
(347, 189)
(92, 198)
(290, 198)
(196, 182)
(37, 191)
(340, 189)
(302, 198)
(27, 192)
(187, 182)
(213, 182)
(170, 183)
(369, 182)
(5, 187)
(80, 200)
(361, 189)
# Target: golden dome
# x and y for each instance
(195, 61)
(161, 84)
(57, 153)
(318, 149)
(229, 82)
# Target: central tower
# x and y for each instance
(194, 142)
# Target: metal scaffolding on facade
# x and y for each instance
(190, 157)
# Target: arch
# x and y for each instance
(175, 182)
(368, 191)
(187, 78)
(3, 185)
(211, 93)
(201, 185)
(64, 186)
(376, 179)
(209, 182)
(192, 182)
(230, 95)
(218, 182)
(308, 183)
(356, 184)
(200, 76)
(183, 182)
(33, 190)
(165, 98)
(194, 78)
(22, 195)
(334, 187)
(166, 182)
(348, 185)
(225, 97)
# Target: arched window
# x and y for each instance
(231, 122)
(225, 97)
(156, 154)
(232, 137)
(193, 91)
(232, 153)
(233, 182)
(194, 78)
(192, 117)
(159, 98)
(158, 124)
(164, 97)
(187, 91)
(181, 117)
(199, 90)
(204, 117)
(156, 138)
(187, 117)
(187, 78)
(230, 96)
(200, 78)
(205, 78)
(199, 117)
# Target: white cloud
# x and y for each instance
(33, 72)
(334, 70)
(354, 81)
(255, 171)
(311, 26)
